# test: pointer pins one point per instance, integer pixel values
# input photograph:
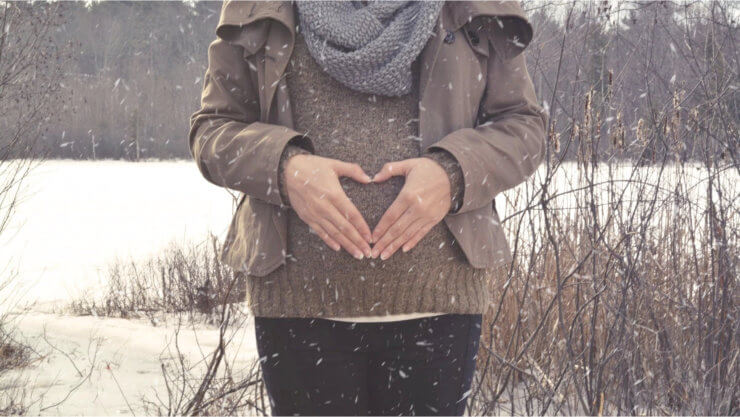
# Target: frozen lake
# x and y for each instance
(76, 217)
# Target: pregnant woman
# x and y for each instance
(369, 140)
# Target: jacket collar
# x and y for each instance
(508, 26)
(273, 42)
(465, 11)
(235, 14)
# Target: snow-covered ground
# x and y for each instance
(110, 365)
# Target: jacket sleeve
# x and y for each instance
(508, 143)
(231, 147)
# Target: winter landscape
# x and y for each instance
(622, 297)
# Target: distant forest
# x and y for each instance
(132, 73)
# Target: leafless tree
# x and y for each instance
(30, 70)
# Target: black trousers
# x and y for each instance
(315, 366)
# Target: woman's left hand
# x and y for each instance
(423, 201)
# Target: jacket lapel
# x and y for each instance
(508, 30)
(429, 54)
(277, 37)
(278, 50)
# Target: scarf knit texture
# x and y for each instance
(368, 48)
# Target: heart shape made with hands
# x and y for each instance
(423, 202)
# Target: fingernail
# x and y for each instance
(405, 249)
(358, 255)
(384, 256)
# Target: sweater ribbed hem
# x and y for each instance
(383, 319)
(439, 291)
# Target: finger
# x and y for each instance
(348, 229)
(391, 169)
(324, 236)
(404, 237)
(350, 212)
(418, 236)
(391, 215)
(396, 229)
(338, 236)
(352, 170)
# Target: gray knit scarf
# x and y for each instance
(368, 48)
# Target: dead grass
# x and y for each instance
(14, 355)
(183, 278)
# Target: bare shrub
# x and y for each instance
(213, 385)
(30, 69)
(183, 278)
(14, 355)
(622, 297)
(183, 286)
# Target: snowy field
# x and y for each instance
(109, 366)
(75, 218)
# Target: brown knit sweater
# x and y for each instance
(316, 281)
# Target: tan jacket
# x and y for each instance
(477, 101)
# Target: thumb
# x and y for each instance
(352, 170)
(391, 169)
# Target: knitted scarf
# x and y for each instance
(368, 48)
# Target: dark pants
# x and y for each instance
(314, 366)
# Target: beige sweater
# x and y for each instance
(432, 278)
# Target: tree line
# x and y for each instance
(133, 73)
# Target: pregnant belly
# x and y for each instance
(312, 257)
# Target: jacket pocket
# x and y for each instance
(503, 35)
(477, 38)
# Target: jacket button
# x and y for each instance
(449, 37)
(473, 37)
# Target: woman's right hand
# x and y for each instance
(314, 191)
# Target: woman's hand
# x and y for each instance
(423, 202)
(314, 191)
